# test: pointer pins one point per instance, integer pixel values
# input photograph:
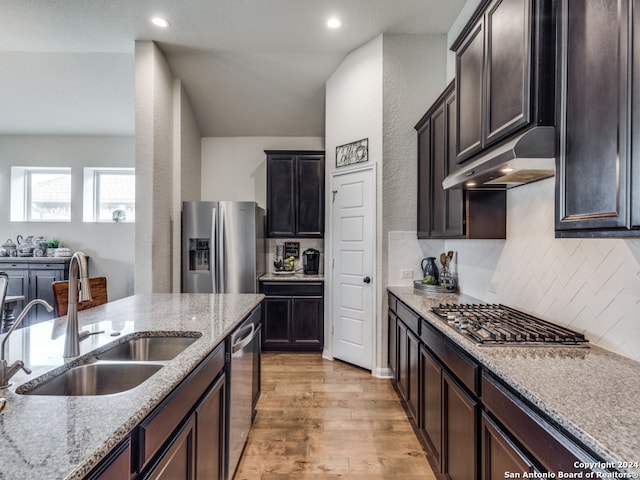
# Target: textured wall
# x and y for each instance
(154, 169)
(234, 168)
(414, 76)
(187, 166)
(590, 285)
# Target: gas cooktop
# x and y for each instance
(495, 324)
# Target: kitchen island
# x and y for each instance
(590, 393)
(66, 437)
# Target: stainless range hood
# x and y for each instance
(525, 158)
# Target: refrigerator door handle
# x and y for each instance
(222, 273)
(212, 248)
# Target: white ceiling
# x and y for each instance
(250, 67)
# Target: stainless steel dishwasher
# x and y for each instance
(245, 345)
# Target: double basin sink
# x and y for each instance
(119, 368)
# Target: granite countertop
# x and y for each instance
(295, 277)
(591, 392)
(65, 437)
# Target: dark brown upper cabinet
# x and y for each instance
(451, 213)
(597, 179)
(295, 193)
(505, 70)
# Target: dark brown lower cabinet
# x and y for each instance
(499, 454)
(393, 352)
(408, 367)
(210, 416)
(431, 404)
(117, 465)
(459, 430)
(293, 316)
(179, 460)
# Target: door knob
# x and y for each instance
(366, 280)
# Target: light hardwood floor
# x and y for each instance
(320, 419)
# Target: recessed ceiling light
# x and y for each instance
(334, 23)
(160, 22)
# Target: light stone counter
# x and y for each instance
(296, 277)
(591, 392)
(49, 437)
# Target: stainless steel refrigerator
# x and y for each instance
(223, 247)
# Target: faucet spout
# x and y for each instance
(7, 371)
(79, 290)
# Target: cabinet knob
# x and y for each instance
(366, 279)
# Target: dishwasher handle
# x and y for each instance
(245, 338)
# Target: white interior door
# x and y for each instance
(353, 246)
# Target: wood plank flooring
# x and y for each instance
(324, 420)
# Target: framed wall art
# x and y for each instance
(354, 152)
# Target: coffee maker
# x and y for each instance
(311, 258)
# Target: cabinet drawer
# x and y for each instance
(292, 288)
(158, 426)
(464, 368)
(409, 317)
(13, 266)
(549, 446)
(393, 303)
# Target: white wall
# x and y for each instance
(110, 245)
(167, 146)
(234, 168)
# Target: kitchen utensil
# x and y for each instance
(443, 259)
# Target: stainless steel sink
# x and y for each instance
(147, 349)
(95, 379)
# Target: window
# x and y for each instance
(40, 194)
(109, 195)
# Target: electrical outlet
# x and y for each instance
(406, 273)
(493, 287)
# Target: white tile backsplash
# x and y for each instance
(591, 285)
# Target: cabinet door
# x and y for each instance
(431, 402)
(310, 196)
(469, 92)
(438, 170)
(393, 351)
(210, 415)
(413, 392)
(403, 361)
(178, 460)
(424, 180)
(281, 201)
(40, 287)
(117, 465)
(508, 47)
(460, 431)
(276, 322)
(635, 119)
(454, 198)
(499, 453)
(592, 168)
(18, 286)
(307, 323)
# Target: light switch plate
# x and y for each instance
(406, 273)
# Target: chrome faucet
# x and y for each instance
(77, 268)
(7, 371)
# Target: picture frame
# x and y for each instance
(352, 153)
